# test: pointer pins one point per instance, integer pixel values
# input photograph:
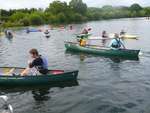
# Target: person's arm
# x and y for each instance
(123, 45)
(110, 44)
(31, 65)
(36, 62)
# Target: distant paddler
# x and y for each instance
(104, 34)
(117, 42)
(84, 31)
(47, 33)
(71, 27)
(8, 34)
(82, 42)
(122, 32)
(84, 34)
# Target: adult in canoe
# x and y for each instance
(82, 42)
(85, 31)
(8, 34)
(47, 33)
(122, 32)
(104, 34)
(116, 43)
(38, 65)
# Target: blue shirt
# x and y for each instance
(115, 42)
(45, 62)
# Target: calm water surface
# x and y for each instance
(105, 85)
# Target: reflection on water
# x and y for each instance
(10, 39)
(41, 95)
(83, 56)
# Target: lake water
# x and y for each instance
(105, 85)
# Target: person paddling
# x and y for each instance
(85, 31)
(122, 32)
(38, 64)
(82, 42)
(104, 34)
(117, 43)
(46, 32)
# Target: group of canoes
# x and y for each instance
(116, 47)
(38, 64)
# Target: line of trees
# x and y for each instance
(76, 11)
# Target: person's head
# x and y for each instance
(84, 29)
(34, 53)
(116, 35)
(104, 32)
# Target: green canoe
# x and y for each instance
(83, 35)
(54, 76)
(124, 53)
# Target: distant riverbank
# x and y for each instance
(60, 25)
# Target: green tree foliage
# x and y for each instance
(78, 6)
(57, 7)
(17, 16)
(135, 7)
(36, 19)
(76, 11)
(25, 21)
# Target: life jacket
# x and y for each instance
(82, 42)
(118, 45)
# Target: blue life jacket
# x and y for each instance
(118, 44)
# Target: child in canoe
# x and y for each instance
(38, 64)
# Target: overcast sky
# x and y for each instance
(15, 4)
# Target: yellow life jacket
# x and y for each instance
(82, 42)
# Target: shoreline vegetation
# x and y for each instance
(62, 13)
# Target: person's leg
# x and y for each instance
(25, 72)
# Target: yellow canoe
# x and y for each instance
(129, 36)
(126, 36)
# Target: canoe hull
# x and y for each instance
(37, 80)
(103, 52)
